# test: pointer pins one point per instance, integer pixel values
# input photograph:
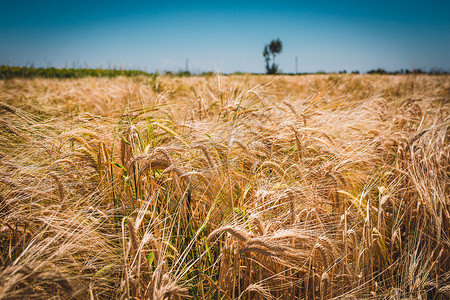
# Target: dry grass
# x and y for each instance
(248, 187)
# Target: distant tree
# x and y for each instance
(377, 71)
(270, 51)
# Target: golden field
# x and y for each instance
(225, 187)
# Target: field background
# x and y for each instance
(225, 187)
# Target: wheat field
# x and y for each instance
(225, 187)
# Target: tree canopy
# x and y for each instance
(270, 51)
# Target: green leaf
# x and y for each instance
(208, 250)
(120, 166)
(151, 258)
(126, 141)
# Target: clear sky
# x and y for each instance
(226, 36)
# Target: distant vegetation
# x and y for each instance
(407, 71)
(270, 51)
(9, 72)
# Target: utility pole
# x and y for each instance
(296, 65)
(187, 65)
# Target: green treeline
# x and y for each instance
(8, 72)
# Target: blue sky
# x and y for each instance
(226, 36)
